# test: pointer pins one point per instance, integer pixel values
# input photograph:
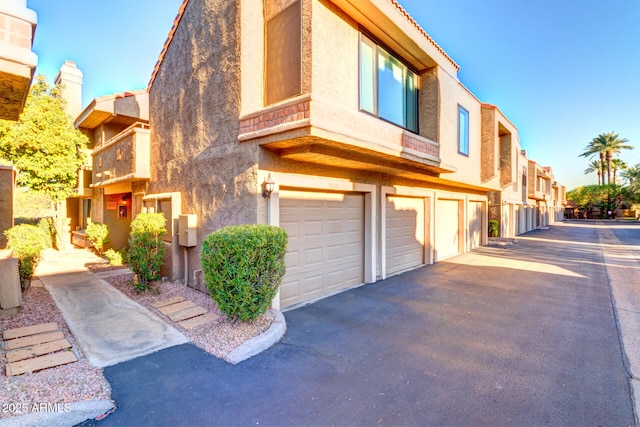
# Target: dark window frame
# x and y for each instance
(408, 73)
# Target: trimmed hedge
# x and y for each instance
(146, 250)
(243, 267)
(26, 242)
(494, 228)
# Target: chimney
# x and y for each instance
(70, 78)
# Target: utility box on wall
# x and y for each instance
(187, 225)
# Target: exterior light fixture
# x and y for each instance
(267, 187)
(99, 175)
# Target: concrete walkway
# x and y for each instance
(624, 277)
(108, 326)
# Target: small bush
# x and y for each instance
(26, 243)
(98, 235)
(146, 250)
(243, 267)
(115, 258)
(48, 231)
(494, 228)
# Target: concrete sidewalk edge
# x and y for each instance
(261, 342)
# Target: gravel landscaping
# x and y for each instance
(80, 381)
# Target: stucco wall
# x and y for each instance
(7, 185)
(452, 95)
(335, 57)
(194, 111)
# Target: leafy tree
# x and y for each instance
(45, 147)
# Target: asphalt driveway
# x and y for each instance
(520, 335)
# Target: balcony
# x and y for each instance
(17, 61)
(317, 131)
(123, 159)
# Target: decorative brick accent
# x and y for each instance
(421, 146)
(292, 113)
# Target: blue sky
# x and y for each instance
(563, 71)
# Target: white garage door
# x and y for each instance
(447, 237)
(405, 234)
(475, 224)
(326, 251)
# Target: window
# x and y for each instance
(283, 56)
(463, 131)
(388, 88)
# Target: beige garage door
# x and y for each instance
(405, 235)
(448, 230)
(475, 224)
(326, 251)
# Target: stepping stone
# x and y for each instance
(33, 340)
(167, 310)
(29, 330)
(37, 350)
(197, 321)
(169, 301)
(187, 314)
(39, 363)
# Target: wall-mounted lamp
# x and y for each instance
(267, 187)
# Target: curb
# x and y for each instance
(261, 342)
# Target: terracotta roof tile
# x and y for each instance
(397, 5)
(424, 33)
(172, 31)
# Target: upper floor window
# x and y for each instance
(388, 88)
(283, 50)
(463, 131)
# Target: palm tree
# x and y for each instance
(595, 166)
(618, 165)
(606, 145)
(632, 175)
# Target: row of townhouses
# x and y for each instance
(341, 121)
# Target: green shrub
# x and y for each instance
(243, 267)
(493, 228)
(26, 243)
(146, 250)
(115, 257)
(48, 231)
(98, 235)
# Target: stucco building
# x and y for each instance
(381, 159)
(111, 184)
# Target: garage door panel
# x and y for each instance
(405, 233)
(447, 239)
(475, 224)
(331, 240)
